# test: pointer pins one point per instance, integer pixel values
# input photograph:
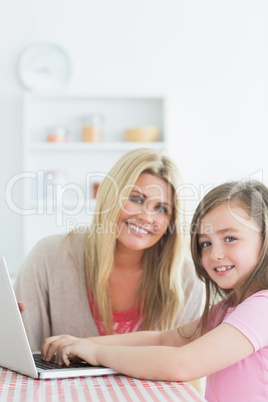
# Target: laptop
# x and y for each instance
(15, 351)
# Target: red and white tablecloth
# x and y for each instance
(15, 387)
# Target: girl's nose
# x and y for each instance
(217, 253)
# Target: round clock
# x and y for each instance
(44, 67)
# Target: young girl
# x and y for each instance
(229, 344)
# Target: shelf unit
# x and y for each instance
(58, 177)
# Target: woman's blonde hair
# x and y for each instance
(252, 196)
(161, 284)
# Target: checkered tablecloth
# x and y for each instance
(15, 387)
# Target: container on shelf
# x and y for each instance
(142, 134)
(57, 134)
(95, 187)
(92, 128)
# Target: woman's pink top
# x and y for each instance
(123, 322)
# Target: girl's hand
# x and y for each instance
(77, 349)
(50, 345)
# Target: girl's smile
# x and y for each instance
(221, 270)
(230, 243)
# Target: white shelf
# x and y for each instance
(50, 205)
(69, 170)
(86, 146)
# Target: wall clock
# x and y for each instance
(44, 67)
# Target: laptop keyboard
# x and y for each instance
(40, 363)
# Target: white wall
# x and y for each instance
(209, 57)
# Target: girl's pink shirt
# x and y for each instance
(123, 322)
(246, 380)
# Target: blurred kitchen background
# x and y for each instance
(199, 68)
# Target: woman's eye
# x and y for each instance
(230, 239)
(205, 244)
(161, 209)
(136, 198)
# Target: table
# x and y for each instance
(19, 388)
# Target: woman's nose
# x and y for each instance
(146, 214)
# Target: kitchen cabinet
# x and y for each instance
(59, 177)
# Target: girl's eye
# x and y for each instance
(205, 244)
(136, 198)
(230, 239)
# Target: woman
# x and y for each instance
(128, 272)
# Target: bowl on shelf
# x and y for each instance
(142, 134)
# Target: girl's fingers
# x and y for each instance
(47, 347)
(51, 345)
(66, 356)
(63, 355)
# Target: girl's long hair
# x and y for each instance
(252, 196)
(160, 288)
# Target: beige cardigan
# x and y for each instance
(51, 282)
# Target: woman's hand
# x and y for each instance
(22, 306)
(50, 345)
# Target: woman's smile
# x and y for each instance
(146, 214)
(137, 229)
